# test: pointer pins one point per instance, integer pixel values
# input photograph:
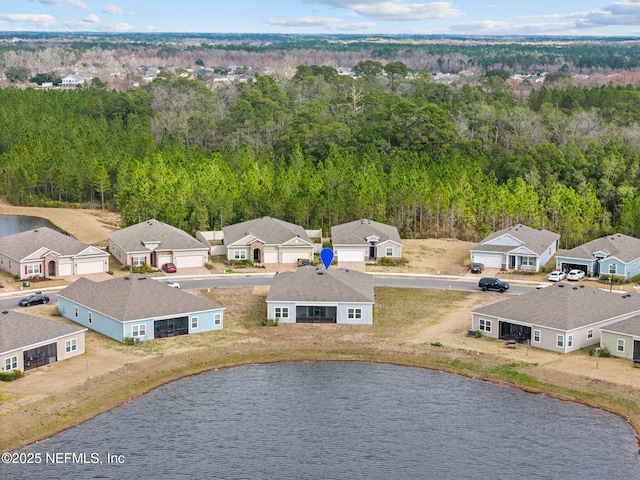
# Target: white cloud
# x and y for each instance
(329, 23)
(115, 10)
(66, 3)
(304, 21)
(92, 19)
(395, 10)
(38, 20)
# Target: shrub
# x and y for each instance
(392, 262)
(10, 376)
(269, 322)
(604, 351)
(144, 268)
(129, 340)
(436, 344)
(606, 278)
(478, 334)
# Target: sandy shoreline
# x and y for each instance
(62, 395)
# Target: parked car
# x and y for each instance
(556, 276)
(35, 299)
(489, 283)
(169, 268)
(303, 262)
(172, 284)
(477, 268)
(575, 275)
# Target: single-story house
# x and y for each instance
(616, 254)
(561, 318)
(267, 240)
(44, 252)
(27, 342)
(72, 80)
(316, 295)
(622, 338)
(516, 248)
(137, 307)
(155, 243)
(364, 240)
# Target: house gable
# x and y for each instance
(504, 240)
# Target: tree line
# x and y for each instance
(322, 148)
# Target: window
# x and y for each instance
(194, 322)
(90, 317)
(75, 311)
(354, 313)
(139, 330)
(10, 363)
(560, 341)
(613, 268)
(239, 254)
(71, 345)
(33, 269)
(590, 333)
(217, 318)
(528, 261)
(620, 346)
(536, 336)
(137, 261)
(282, 312)
(569, 340)
(485, 325)
(388, 251)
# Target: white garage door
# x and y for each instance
(65, 269)
(490, 261)
(293, 256)
(162, 259)
(350, 255)
(189, 261)
(271, 257)
(96, 266)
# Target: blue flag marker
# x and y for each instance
(326, 255)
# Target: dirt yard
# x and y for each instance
(408, 326)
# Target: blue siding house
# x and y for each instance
(616, 254)
(139, 307)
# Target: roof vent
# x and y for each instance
(320, 273)
(581, 286)
(560, 285)
(575, 288)
(4, 312)
(142, 278)
(127, 278)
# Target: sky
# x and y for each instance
(427, 17)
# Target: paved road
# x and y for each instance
(229, 281)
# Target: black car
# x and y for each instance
(477, 268)
(35, 299)
(489, 283)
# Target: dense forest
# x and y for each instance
(322, 148)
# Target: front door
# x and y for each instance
(636, 349)
(372, 250)
(51, 269)
(256, 255)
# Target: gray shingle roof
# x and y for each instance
(535, 240)
(21, 245)
(356, 232)
(564, 306)
(131, 239)
(134, 297)
(630, 326)
(618, 245)
(18, 330)
(315, 284)
(270, 230)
